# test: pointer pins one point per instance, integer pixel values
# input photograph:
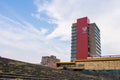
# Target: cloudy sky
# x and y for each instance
(30, 29)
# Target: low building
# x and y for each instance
(93, 63)
(49, 61)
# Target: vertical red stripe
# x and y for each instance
(82, 39)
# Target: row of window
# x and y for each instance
(98, 39)
(98, 43)
(73, 35)
(79, 65)
(67, 65)
(99, 47)
(74, 31)
(98, 33)
(73, 51)
(99, 54)
(73, 41)
(96, 28)
(73, 46)
(73, 54)
(99, 51)
(74, 27)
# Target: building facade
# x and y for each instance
(100, 63)
(85, 40)
(49, 61)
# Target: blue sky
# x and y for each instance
(30, 29)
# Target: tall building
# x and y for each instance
(49, 61)
(85, 40)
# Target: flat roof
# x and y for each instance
(65, 62)
(90, 60)
(97, 59)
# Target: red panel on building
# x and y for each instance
(82, 38)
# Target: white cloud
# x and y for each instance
(64, 13)
(105, 13)
(23, 41)
(110, 30)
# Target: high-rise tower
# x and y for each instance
(85, 40)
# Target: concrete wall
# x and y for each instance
(101, 65)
